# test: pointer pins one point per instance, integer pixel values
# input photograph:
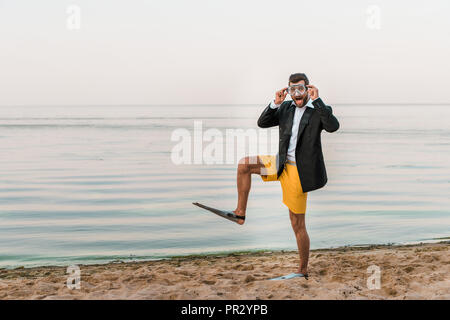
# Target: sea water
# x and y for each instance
(93, 184)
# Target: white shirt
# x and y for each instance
(295, 124)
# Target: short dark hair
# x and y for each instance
(296, 77)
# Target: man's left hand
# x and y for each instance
(313, 92)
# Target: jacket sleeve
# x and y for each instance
(269, 117)
(329, 121)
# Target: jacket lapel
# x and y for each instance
(303, 122)
(290, 119)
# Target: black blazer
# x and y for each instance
(308, 152)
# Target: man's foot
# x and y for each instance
(239, 213)
(303, 271)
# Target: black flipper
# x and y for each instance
(224, 214)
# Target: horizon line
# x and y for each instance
(211, 104)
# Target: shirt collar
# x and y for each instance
(308, 104)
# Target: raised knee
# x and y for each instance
(243, 165)
(244, 160)
(243, 168)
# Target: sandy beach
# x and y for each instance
(407, 272)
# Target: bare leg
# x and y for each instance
(299, 227)
(246, 167)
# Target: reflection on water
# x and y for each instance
(94, 184)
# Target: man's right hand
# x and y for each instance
(280, 96)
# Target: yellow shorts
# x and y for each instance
(293, 196)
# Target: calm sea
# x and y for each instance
(93, 184)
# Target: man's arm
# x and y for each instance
(329, 121)
(269, 117)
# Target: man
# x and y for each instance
(299, 164)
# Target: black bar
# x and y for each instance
(223, 309)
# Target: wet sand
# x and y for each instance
(407, 272)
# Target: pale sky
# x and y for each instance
(222, 51)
